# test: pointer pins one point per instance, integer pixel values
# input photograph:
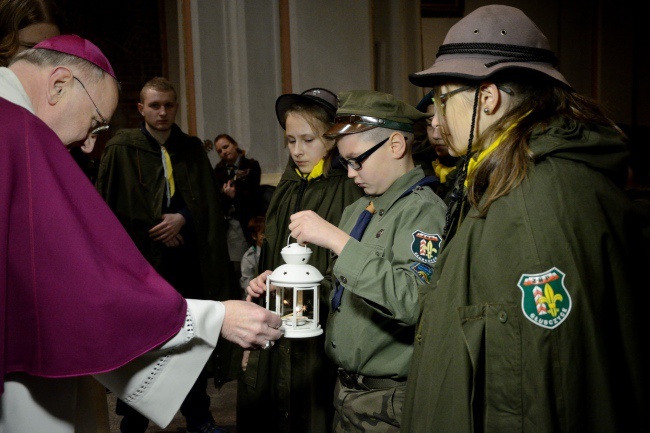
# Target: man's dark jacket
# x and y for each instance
(131, 180)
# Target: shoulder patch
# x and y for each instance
(422, 271)
(545, 300)
(425, 246)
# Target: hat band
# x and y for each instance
(511, 53)
(374, 121)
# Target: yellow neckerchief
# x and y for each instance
(474, 162)
(315, 172)
(442, 170)
(169, 174)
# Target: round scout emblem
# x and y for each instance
(545, 300)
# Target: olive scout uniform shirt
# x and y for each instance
(372, 331)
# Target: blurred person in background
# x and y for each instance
(25, 23)
(238, 179)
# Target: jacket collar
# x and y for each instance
(173, 141)
(395, 191)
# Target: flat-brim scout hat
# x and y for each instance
(316, 96)
(489, 40)
(362, 110)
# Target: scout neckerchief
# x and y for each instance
(169, 175)
(357, 232)
(474, 162)
(317, 171)
(362, 223)
(456, 200)
(442, 170)
(232, 168)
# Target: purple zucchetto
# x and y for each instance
(79, 47)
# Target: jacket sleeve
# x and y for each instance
(105, 174)
(387, 275)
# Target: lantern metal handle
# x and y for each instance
(289, 242)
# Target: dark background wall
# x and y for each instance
(600, 44)
(130, 33)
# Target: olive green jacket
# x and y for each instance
(371, 333)
(289, 388)
(533, 320)
(131, 180)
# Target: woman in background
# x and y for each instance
(239, 180)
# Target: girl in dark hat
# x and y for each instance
(532, 322)
(289, 387)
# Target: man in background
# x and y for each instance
(158, 181)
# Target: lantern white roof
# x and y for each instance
(295, 274)
(296, 270)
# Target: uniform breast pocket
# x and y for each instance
(493, 336)
(377, 250)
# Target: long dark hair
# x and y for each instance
(537, 103)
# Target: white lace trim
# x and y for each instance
(188, 328)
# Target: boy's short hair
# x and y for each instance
(159, 84)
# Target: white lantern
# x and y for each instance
(296, 293)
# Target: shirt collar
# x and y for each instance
(172, 140)
(13, 91)
(394, 192)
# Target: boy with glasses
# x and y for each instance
(379, 267)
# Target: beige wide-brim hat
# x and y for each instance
(490, 40)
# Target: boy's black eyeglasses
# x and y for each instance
(104, 125)
(355, 163)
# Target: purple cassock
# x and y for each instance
(77, 296)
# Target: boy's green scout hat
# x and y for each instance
(362, 110)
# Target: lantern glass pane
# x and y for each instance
(297, 312)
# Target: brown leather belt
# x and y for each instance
(365, 383)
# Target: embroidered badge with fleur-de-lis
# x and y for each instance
(545, 300)
(425, 246)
